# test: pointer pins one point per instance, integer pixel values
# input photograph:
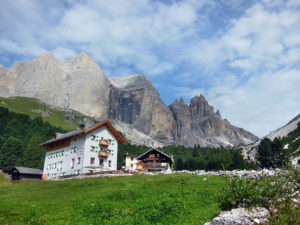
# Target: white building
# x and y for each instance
(86, 150)
(131, 162)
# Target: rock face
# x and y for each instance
(81, 85)
(197, 123)
(135, 101)
(77, 84)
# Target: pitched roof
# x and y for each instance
(26, 170)
(88, 129)
(141, 156)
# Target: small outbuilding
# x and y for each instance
(25, 173)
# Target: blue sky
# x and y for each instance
(242, 55)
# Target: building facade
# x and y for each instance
(131, 162)
(87, 150)
(152, 160)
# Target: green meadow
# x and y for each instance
(139, 199)
(57, 117)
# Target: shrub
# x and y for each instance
(266, 191)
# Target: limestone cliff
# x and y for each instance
(81, 85)
(134, 100)
(197, 123)
(77, 83)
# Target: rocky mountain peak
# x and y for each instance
(45, 57)
(219, 114)
(200, 107)
(182, 102)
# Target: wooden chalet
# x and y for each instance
(155, 160)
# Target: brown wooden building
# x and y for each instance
(155, 160)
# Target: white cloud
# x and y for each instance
(264, 103)
(63, 53)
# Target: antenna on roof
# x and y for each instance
(81, 126)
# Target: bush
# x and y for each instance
(267, 191)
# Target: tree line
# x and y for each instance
(193, 158)
(20, 139)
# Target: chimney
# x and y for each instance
(54, 136)
(81, 126)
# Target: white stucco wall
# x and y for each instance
(129, 162)
(100, 133)
(82, 149)
(59, 162)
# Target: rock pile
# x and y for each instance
(241, 216)
(231, 173)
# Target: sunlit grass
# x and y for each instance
(140, 199)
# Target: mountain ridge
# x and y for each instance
(80, 84)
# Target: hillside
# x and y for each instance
(168, 199)
(59, 117)
(69, 119)
(289, 136)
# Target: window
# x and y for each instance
(73, 162)
(131, 165)
(101, 162)
(131, 158)
(92, 148)
(109, 163)
(92, 160)
(78, 160)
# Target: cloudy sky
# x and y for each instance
(243, 56)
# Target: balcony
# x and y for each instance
(104, 143)
(103, 154)
(151, 166)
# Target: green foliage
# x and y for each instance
(139, 199)
(34, 154)
(20, 137)
(265, 191)
(33, 108)
(10, 153)
(286, 216)
(272, 153)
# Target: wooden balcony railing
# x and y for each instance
(154, 166)
(104, 143)
(103, 154)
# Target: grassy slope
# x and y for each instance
(167, 199)
(26, 105)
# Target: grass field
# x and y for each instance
(29, 106)
(140, 199)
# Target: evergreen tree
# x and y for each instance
(33, 155)
(179, 164)
(10, 151)
(195, 151)
(265, 153)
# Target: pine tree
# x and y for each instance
(10, 151)
(33, 154)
